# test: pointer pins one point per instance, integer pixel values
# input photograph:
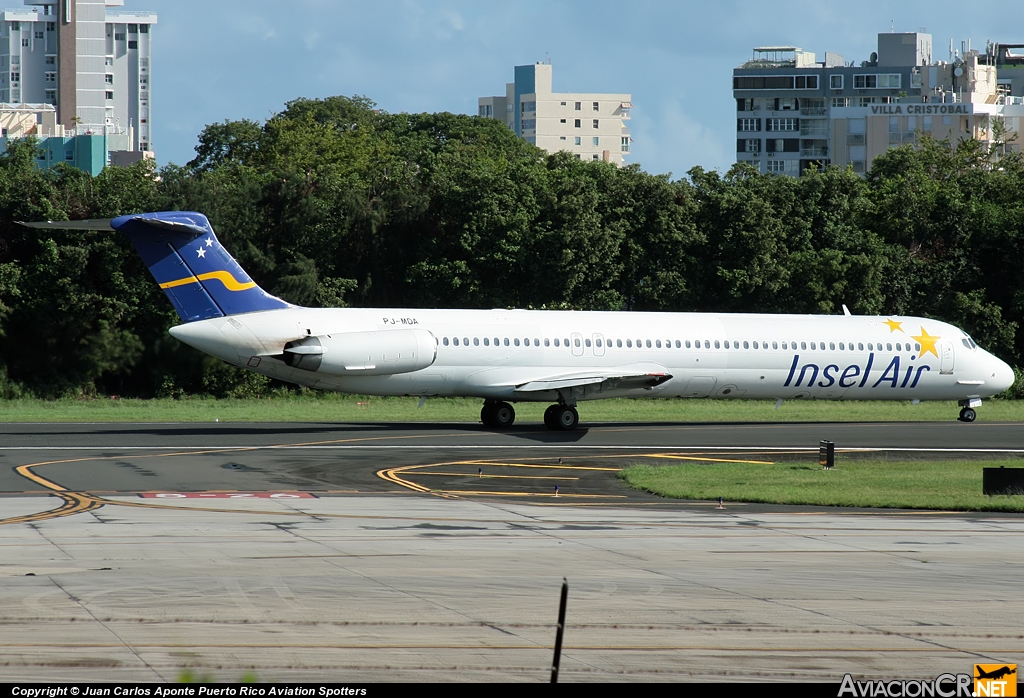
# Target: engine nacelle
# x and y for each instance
(363, 353)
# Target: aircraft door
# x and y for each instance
(576, 342)
(946, 358)
(598, 344)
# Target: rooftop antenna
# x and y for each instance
(892, 25)
(547, 58)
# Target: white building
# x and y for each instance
(590, 125)
(92, 62)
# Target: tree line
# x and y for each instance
(333, 202)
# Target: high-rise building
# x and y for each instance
(91, 61)
(793, 111)
(590, 125)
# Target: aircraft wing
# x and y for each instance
(619, 378)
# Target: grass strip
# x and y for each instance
(331, 407)
(951, 485)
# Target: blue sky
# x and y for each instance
(233, 59)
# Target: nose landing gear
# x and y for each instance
(967, 413)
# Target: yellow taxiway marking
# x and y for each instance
(561, 495)
(492, 477)
(709, 460)
(520, 465)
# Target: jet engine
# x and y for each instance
(363, 353)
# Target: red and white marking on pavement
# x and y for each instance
(227, 495)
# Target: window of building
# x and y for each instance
(51, 77)
(24, 42)
(39, 35)
(15, 26)
(563, 104)
(576, 140)
(561, 138)
(748, 124)
(144, 63)
(594, 157)
(595, 123)
(781, 124)
(594, 141)
(806, 82)
(109, 79)
(597, 107)
(143, 28)
(51, 96)
(69, 155)
(133, 44)
(579, 105)
(119, 37)
(882, 81)
(752, 145)
(108, 94)
(15, 77)
(51, 60)
(926, 123)
(561, 121)
(51, 26)
(527, 124)
(133, 28)
(578, 123)
(625, 144)
(835, 82)
(785, 104)
(747, 104)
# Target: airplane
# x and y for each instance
(994, 674)
(561, 357)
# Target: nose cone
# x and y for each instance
(1002, 375)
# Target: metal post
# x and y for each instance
(827, 454)
(561, 629)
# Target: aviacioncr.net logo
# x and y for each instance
(942, 686)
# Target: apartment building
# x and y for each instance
(590, 125)
(91, 61)
(794, 111)
(785, 98)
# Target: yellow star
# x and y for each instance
(927, 343)
(893, 325)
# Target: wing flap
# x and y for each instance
(622, 378)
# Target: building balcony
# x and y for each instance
(855, 139)
(813, 152)
(815, 111)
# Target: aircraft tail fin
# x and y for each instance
(198, 275)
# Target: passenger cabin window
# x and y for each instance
(717, 345)
(476, 341)
(445, 341)
(506, 341)
(888, 347)
(618, 343)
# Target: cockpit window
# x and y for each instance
(968, 342)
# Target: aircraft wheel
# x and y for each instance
(487, 414)
(503, 415)
(567, 418)
(968, 414)
(551, 417)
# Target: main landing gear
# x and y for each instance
(561, 418)
(501, 415)
(497, 414)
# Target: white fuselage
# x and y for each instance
(491, 354)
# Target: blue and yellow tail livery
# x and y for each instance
(195, 271)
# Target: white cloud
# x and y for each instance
(668, 139)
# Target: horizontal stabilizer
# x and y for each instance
(89, 224)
